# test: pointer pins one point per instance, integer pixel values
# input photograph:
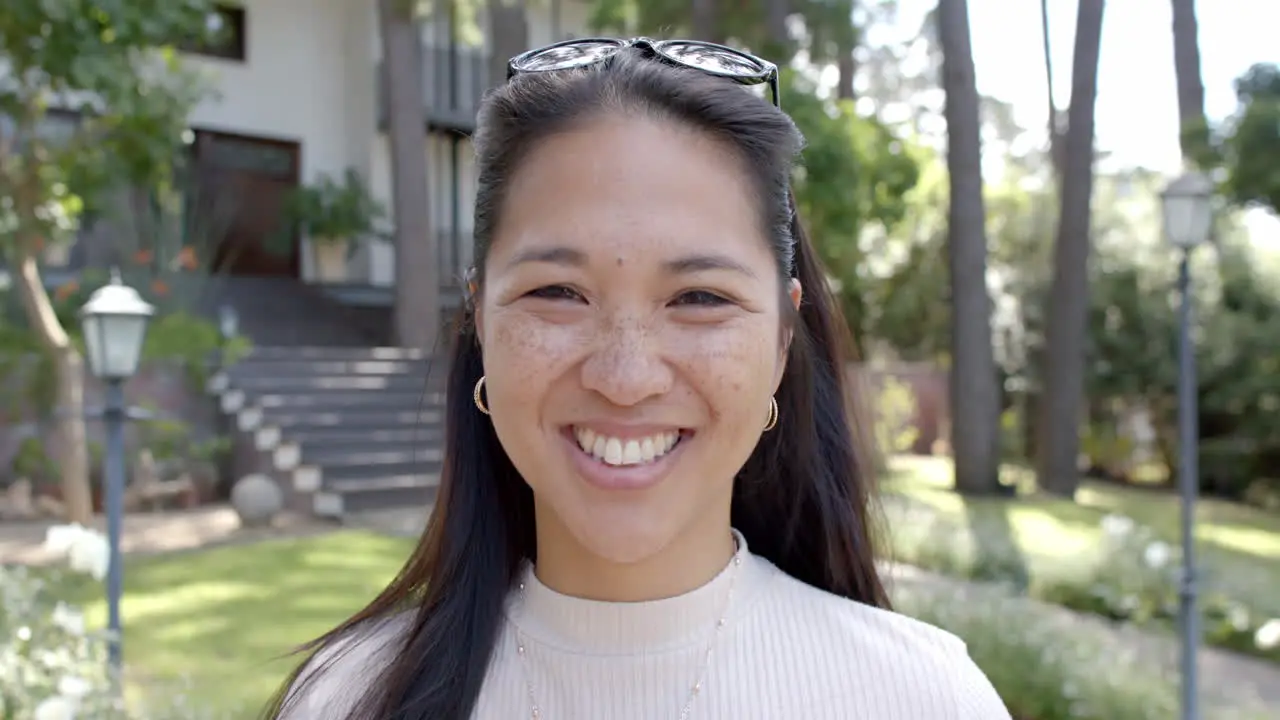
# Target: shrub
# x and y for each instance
(52, 665)
(1046, 663)
(1131, 576)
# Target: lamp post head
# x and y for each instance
(228, 322)
(1187, 209)
(114, 321)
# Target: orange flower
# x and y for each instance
(142, 257)
(159, 287)
(187, 258)
(66, 290)
(38, 244)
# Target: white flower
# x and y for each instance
(73, 687)
(56, 708)
(1157, 555)
(59, 538)
(1267, 637)
(86, 550)
(90, 554)
(68, 618)
(1117, 526)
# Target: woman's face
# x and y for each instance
(632, 334)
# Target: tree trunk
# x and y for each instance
(1056, 147)
(71, 449)
(1068, 297)
(706, 21)
(508, 35)
(776, 12)
(1186, 63)
(848, 68)
(974, 395)
(417, 309)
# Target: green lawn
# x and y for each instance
(1239, 544)
(219, 618)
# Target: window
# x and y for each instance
(226, 35)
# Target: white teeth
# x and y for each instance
(616, 451)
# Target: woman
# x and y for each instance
(651, 506)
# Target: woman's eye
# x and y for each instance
(700, 297)
(556, 292)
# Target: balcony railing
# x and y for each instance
(453, 81)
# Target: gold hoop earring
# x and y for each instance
(772, 421)
(476, 397)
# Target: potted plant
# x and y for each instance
(333, 215)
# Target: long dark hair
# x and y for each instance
(802, 498)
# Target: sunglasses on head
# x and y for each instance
(710, 58)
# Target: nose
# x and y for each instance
(626, 366)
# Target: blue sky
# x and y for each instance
(1137, 97)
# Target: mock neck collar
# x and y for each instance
(623, 628)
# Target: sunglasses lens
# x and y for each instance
(712, 59)
(564, 57)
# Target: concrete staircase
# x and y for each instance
(342, 429)
(343, 425)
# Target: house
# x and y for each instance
(298, 94)
(322, 405)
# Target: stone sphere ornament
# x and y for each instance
(257, 499)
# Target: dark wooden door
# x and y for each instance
(243, 185)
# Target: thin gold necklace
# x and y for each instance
(535, 710)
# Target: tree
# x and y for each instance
(975, 399)
(417, 308)
(109, 72)
(1059, 443)
(508, 36)
(1250, 140)
(1056, 149)
(1186, 62)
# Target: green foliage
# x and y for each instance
(1126, 571)
(855, 175)
(111, 64)
(895, 429)
(829, 24)
(333, 211)
(1251, 139)
(1042, 662)
(1133, 361)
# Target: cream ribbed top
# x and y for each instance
(787, 651)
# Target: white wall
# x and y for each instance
(307, 77)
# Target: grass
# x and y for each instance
(1239, 545)
(218, 620)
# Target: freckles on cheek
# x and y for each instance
(737, 369)
(524, 349)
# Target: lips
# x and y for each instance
(628, 451)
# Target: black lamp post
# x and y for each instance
(114, 321)
(1188, 217)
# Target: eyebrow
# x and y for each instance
(685, 265)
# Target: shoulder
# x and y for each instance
(336, 677)
(911, 661)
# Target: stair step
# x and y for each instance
(342, 438)
(250, 369)
(288, 419)
(344, 354)
(325, 384)
(377, 493)
(342, 469)
(339, 400)
(373, 457)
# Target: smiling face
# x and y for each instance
(632, 331)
